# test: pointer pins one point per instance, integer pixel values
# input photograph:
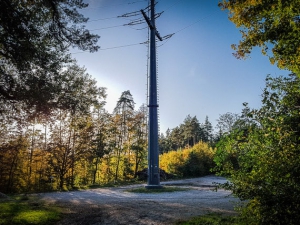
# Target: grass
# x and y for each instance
(210, 219)
(26, 210)
(160, 190)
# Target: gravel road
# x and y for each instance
(117, 206)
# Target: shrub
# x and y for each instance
(192, 162)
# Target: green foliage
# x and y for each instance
(35, 38)
(268, 24)
(193, 162)
(198, 163)
(211, 219)
(227, 122)
(262, 159)
(187, 134)
(27, 212)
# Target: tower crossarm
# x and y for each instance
(150, 24)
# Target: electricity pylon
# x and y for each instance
(153, 152)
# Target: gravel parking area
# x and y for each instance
(117, 206)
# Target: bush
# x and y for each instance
(193, 162)
(266, 171)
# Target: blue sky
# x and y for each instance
(197, 73)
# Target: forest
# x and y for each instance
(85, 145)
(55, 133)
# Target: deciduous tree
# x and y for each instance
(266, 168)
(226, 122)
(273, 25)
(124, 111)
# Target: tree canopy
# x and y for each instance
(262, 159)
(32, 32)
(273, 25)
(35, 37)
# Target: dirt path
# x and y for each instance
(117, 206)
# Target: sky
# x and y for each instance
(197, 73)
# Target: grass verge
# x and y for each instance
(160, 190)
(216, 219)
(211, 219)
(25, 211)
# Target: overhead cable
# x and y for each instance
(103, 28)
(109, 48)
(108, 18)
(113, 5)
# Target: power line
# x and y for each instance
(143, 28)
(164, 42)
(173, 5)
(108, 18)
(121, 25)
(113, 5)
(122, 46)
(167, 37)
(133, 22)
(134, 13)
(103, 28)
(109, 48)
(138, 21)
(125, 16)
(192, 24)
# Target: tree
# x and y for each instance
(35, 37)
(266, 171)
(186, 134)
(13, 167)
(191, 130)
(79, 91)
(165, 144)
(226, 122)
(189, 162)
(72, 89)
(32, 32)
(177, 138)
(139, 142)
(123, 114)
(271, 24)
(71, 134)
(99, 145)
(207, 131)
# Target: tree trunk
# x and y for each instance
(96, 169)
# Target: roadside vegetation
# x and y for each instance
(55, 134)
(25, 210)
(211, 219)
(261, 156)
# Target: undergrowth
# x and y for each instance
(211, 219)
(27, 210)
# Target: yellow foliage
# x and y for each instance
(173, 161)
